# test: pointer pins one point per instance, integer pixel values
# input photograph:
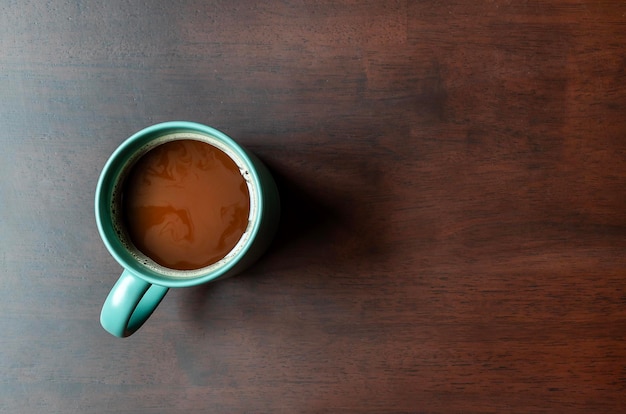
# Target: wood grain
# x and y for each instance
(453, 178)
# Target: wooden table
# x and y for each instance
(454, 186)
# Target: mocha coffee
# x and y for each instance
(185, 204)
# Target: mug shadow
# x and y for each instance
(305, 217)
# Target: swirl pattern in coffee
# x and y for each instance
(185, 204)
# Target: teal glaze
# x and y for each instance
(140, 289)
(130, 303)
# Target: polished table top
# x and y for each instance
(454, 190)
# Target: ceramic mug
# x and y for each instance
(143, 282)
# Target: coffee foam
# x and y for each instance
(116, 209)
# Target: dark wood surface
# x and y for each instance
(454, 185)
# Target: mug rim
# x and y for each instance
(103, 200)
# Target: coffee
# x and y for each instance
(185, 204)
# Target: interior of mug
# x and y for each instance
(109, 211)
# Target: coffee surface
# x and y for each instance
(185, 204)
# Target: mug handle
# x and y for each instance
(129, 304)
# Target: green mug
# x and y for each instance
(144, 282)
